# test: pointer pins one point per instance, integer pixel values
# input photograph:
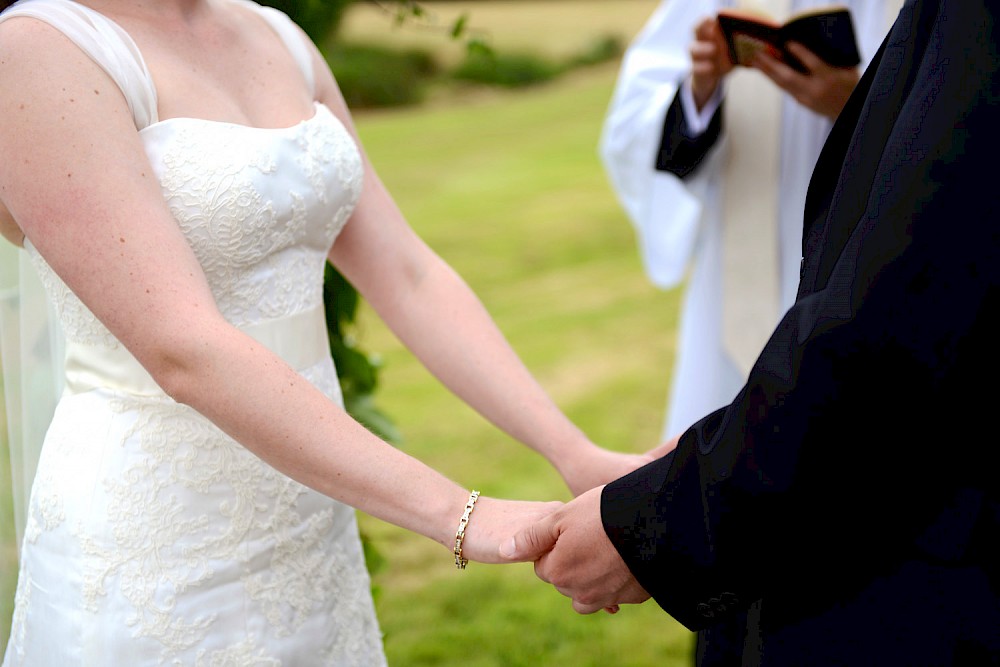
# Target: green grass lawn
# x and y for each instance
(511, 193)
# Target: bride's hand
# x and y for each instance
(493, 521)
(594, 466)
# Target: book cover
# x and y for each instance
(829, 33)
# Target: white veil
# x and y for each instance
(31, 356)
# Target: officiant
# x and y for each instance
(711, 164)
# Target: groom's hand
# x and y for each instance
(572, 552)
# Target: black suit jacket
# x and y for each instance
(849, 493)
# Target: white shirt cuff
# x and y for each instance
(697, 121)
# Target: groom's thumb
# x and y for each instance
(531, 543)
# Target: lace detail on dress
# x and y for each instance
(357, 643)
(46, 511)
(244, 654)
(263, 255)
(78, 323)
(285, 595)
(22, 601)
(156, 550)
(146, 525)
(321, 150)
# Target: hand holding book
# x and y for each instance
(822, 88)
(813, 56)
(710, 61)
(796, 65)
(828, 33)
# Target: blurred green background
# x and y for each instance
(504, 182)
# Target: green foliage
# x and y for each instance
(358, 374)
(318, 18)
(513, 70)
(372, 76)
(358, 371)
(404, 10)
(510, 70)
(410, 11)
(460, 25)
(600, 51)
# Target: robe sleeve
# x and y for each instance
(682, 149)
(664, 210)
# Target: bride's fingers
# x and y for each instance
(496, 522)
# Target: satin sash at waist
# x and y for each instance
(300, 340)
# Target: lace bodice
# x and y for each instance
(259, 207)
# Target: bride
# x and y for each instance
(177, 172)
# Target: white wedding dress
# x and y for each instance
(152, 537)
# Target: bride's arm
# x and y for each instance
(435, 314)
(75, 178)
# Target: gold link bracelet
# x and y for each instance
(460, 562)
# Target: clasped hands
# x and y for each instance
(572, 552)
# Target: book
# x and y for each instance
(827, 32)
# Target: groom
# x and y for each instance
(849, 495)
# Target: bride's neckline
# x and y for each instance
(181, 120)
(317, 105)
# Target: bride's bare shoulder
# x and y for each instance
(27, 39)
(29, 52)
(56, 104)
(19, 30)
(43, 72)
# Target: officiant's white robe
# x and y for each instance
(679, 222)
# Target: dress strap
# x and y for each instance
(105, 42)
(291, 35)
